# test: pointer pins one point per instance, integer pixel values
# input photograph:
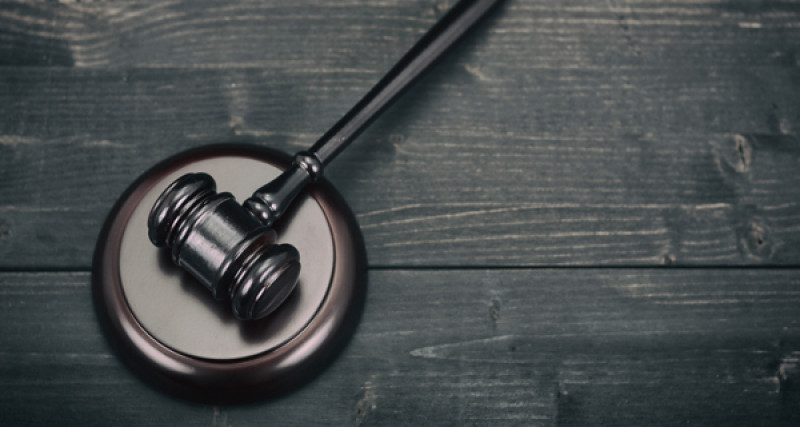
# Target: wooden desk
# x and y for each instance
(614, 243)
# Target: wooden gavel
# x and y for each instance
(230, 248)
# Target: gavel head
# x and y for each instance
(224, 246)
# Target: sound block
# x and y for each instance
(170, 330)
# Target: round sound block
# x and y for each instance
(169, 328)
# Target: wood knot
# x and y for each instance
(734, 154)
(756, 239)
(366, 403)
(744, 154)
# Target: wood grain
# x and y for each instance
(312, 34)
(617, 133)
(519, 347)
(605, 138)
(631, 175)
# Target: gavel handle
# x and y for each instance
(410, 67)
(270, 201)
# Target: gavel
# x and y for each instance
(231, 248)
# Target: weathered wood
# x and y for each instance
(313, 34)
(526, 346)
(631, 175)
(577, 133)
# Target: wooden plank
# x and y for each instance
(574, 133)
(312, 34)
(644, 166)
(521, 347)
(580, 133)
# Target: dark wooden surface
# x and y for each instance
(588, 214)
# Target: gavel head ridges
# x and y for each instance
(223, 246)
